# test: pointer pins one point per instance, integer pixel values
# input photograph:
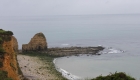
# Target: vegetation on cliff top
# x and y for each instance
(4, 36)
(115, 76)
(3, 32)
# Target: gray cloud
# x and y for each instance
(67, 7)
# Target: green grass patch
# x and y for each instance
(115, 76)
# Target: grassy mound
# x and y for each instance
(115, 76)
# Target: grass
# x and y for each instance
(48, 59)
(115, 76)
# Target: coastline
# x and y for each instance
(65, 73)
(41, 65)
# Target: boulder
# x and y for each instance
(37, 43)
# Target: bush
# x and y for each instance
(3, 76)
(8, 33)
(3, 32)
(1, 50)
(1, 39)
(1, 64)
(115, 76)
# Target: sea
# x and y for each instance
(118, 33)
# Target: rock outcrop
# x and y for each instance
(15, 44)
(8, 59)
(37, 43)
(68, 51)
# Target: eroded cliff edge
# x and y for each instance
(8, 58)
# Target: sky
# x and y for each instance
(67, 7)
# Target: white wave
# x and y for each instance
(66, 74)
(114, 51)
(111, 50)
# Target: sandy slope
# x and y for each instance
(33, 68)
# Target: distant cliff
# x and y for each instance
(8, 59)
(37, 43)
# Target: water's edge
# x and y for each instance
(65, 73)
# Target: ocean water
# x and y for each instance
(119, 33)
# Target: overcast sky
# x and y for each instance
(67, 7)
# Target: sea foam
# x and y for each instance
(111, 50)
(65, 73)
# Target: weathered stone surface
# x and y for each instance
(15, 44)
(68, 51)
(37, 43)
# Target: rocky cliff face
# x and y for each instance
(37, 43)
(8, 59)
(15, 44)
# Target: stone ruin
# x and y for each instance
(37, 43)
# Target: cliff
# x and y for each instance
(8, 59)
(37, 43)
(15, 44)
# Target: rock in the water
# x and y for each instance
(37, 43)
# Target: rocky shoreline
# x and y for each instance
(39, 44)
(50, 53)
(69, 51)
(37, 47)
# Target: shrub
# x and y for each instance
(3, 75)
(1, 39)
(2, 32)
(1, 50)
(115, 76)
(8, 33)
(1, 64)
